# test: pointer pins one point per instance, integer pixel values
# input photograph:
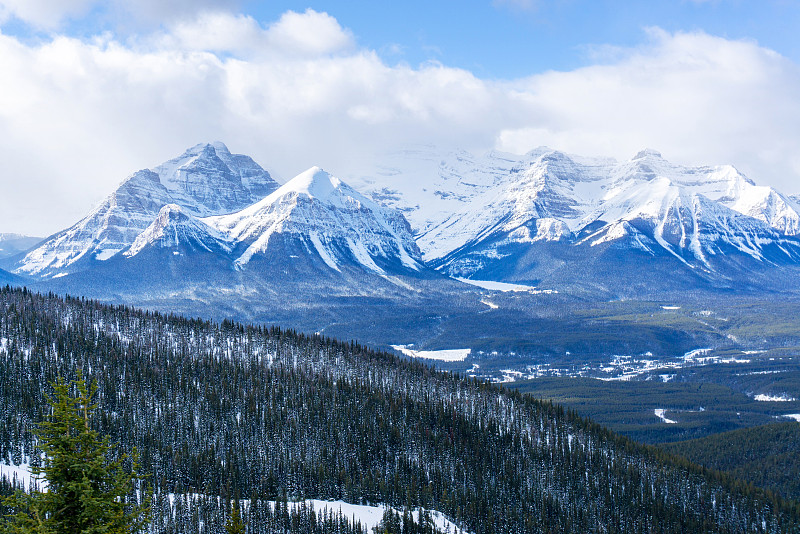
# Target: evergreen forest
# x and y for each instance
(224, 412)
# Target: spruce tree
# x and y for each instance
(87, 492)
(235, 525)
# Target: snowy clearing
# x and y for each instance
(448, 355)
(660, 414)
(795, 416)
(761, 397)
(497, 286)
(22, 474)
(369, 516)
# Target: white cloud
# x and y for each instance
(698, 98)
(309, 33)
(295, 35)
(51, 14)
(77, 116)
(46, 14)
(159, 11)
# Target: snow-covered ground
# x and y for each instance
(370, 515)
(660, 414)
(622, 367)
(497, 286)
(795, 416)
(449, 355)
(21, 473)
(773, 398)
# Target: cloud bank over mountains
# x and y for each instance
(77, 114)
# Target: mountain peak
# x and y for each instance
(171, 213)
(205, 180)
(317, 211)
(648, 152)
(212, 147)
(173, 228)
(315, 182)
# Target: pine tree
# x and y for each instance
(235, 525)
(87, 492)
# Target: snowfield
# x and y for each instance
(659, 412)
(761, 397)
(449, 355)
(369, 515)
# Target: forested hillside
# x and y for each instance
(767, 455)
(265, 414)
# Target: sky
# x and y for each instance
(91, 90)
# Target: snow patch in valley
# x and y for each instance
(504, 287)
(795, 416)
(761, 397)
(659, 412)
(448, 355)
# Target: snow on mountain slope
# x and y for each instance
(552, 189)
(327, 217)
(548, 196)
(174, 229)
(427, 186)
(684, 222)
(723, 184)
(206, 180)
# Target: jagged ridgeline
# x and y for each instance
(230, 410)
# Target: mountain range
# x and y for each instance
(212, 233)
(552, 219)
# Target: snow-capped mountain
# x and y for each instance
(313, 218)
(205, 180)
(323, 216)
(176, 230)
(501, 208)
(219, 223)
(314, 254)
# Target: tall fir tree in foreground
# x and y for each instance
(87, 492)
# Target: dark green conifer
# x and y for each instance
(235, 525)
(87, 492)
